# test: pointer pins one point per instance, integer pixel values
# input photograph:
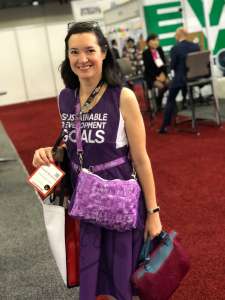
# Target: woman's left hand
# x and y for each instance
(153, 226)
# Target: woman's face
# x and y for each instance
(85, 55)
(154, 43)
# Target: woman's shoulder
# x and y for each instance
(160, 50)
(66, 99)
(127, 96)
(65, 92)
(113, 91)
(128, 102)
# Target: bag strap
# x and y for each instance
(99, 167)
(78, 126)
(149, 246)
(102, 167)
(58, 140)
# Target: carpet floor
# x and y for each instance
(189, 172)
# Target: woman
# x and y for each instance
(107, 257)
(155, 68)
(134, 55)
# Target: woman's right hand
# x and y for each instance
(161, 77)
(42, 156)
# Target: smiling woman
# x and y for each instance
(105, 135)
(86, 60)
(79, 31)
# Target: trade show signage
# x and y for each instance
(194, 11)
(166, 17)
(163, 18)
(87, 10)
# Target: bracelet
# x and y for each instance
(153, 210)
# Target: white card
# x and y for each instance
(159, 62)
(45, 178)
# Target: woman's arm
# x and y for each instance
(135, 131)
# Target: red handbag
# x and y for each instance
(163, 264)
(72, 241)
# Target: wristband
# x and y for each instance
(153, 210)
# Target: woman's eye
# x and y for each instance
(91, 50)
(73, 51)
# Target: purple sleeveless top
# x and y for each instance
(103, 134)
(103, 267)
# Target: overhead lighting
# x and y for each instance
(35, 3)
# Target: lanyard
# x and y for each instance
(78, 112)
(155, 54)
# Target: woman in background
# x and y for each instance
(155, 68)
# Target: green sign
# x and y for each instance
(162, 19)
(215, 18)
(166, 17)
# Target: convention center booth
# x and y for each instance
(38, 115)
(26, 28)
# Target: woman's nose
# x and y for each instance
(83, 57)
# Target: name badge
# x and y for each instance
(159, 62)
(45, 178)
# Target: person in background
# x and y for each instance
(108, 258)
(178, 65)
(155, 68)
(141, 43)
(129, 44)
(134, 55)
(114, 48)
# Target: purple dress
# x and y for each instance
(107, 257)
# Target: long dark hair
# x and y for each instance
(110, 68)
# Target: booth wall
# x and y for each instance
(32, 49)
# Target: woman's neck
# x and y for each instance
(87, 86)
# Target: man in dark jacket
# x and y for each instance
(115, 49)
(155, 68)
(178, 66)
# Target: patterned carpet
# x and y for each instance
(189, 172)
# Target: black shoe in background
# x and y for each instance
(163, 131)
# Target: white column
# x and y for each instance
(206, 9)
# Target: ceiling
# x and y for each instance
(22, 3)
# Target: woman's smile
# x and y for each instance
(84, 67)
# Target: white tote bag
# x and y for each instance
(54, 217)
(63, 235)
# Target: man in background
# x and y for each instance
(115, 49)
(178, 66)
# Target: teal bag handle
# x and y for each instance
(149, 245)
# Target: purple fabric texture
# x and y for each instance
(108, 258)
(112, 204)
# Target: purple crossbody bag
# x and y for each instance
(112, 204)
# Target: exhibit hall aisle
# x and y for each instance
(27, 268)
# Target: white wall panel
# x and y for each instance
(56, 35)
(36, 62)
(11, 76)
(123, 12)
